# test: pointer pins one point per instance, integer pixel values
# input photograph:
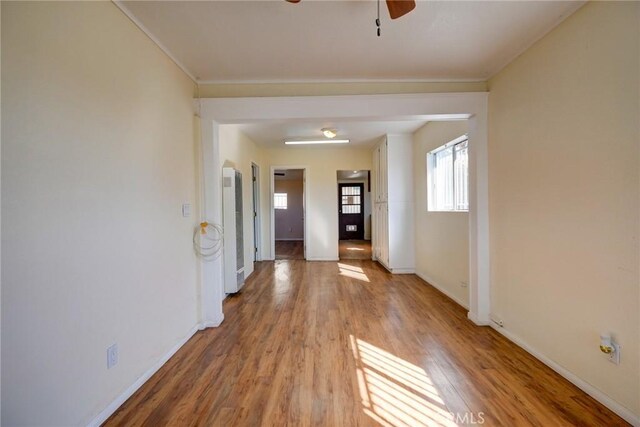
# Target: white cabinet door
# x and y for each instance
(393, 244)
(383, 234)
(376, 175)
(384, 171)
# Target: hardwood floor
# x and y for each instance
(289, 249)
(355, 249)
(348, 344)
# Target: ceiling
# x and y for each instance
(361, 134)
(289, 174)
(260, 41)
(276, 41)
(297, 175)
(353, 175)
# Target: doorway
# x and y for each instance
(217, 112)
(288, 201)
(354, 214)
(351, 211)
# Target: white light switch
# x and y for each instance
(186, 210)
(112, 356)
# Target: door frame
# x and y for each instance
(305, 204)
(257, 223)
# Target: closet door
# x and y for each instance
(384, 213)
(376, 175)
(384, 171)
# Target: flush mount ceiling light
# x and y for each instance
(317, 141)
(329, 133)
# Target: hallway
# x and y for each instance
(327, 344)
(354, 249)
(289, 249)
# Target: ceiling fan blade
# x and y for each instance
(293, 1)
(398, 8)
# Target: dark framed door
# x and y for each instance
(351, 211)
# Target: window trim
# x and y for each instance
(430, 181)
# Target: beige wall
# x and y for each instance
(222, 90)
(289, 223)
(442, 249)
(564, 195)
(97, 158)
(322, 187)
(238, 151)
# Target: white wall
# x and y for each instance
(442, 246)
(238, 151)
(97, 158)
(564, 152)
(321, 185)
(289, 223)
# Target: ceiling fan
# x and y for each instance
(397, 8)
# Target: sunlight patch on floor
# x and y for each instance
(282, 284)
(352, 272)
(394, 392)
(355, 249)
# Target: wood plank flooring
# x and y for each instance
(355, 249)
(289, 249)
(348, 344)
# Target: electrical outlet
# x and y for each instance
(615, 356)
(112, 356)
(464, 284)
(186, 210)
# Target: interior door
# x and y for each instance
(256, 203)
(351, 211)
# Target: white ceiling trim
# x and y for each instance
(435, 106)
(148, 33)
(303, 81)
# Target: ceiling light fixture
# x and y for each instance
(329, 133)
(317, 141)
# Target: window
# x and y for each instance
(448, 177)
(351, 200)
(280, 200)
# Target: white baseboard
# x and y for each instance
(403, 271)
(323, 259)
(113, 406)
(475, 319)
(598, 395)
(395, 270)
(444, 290)
(211, 323)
